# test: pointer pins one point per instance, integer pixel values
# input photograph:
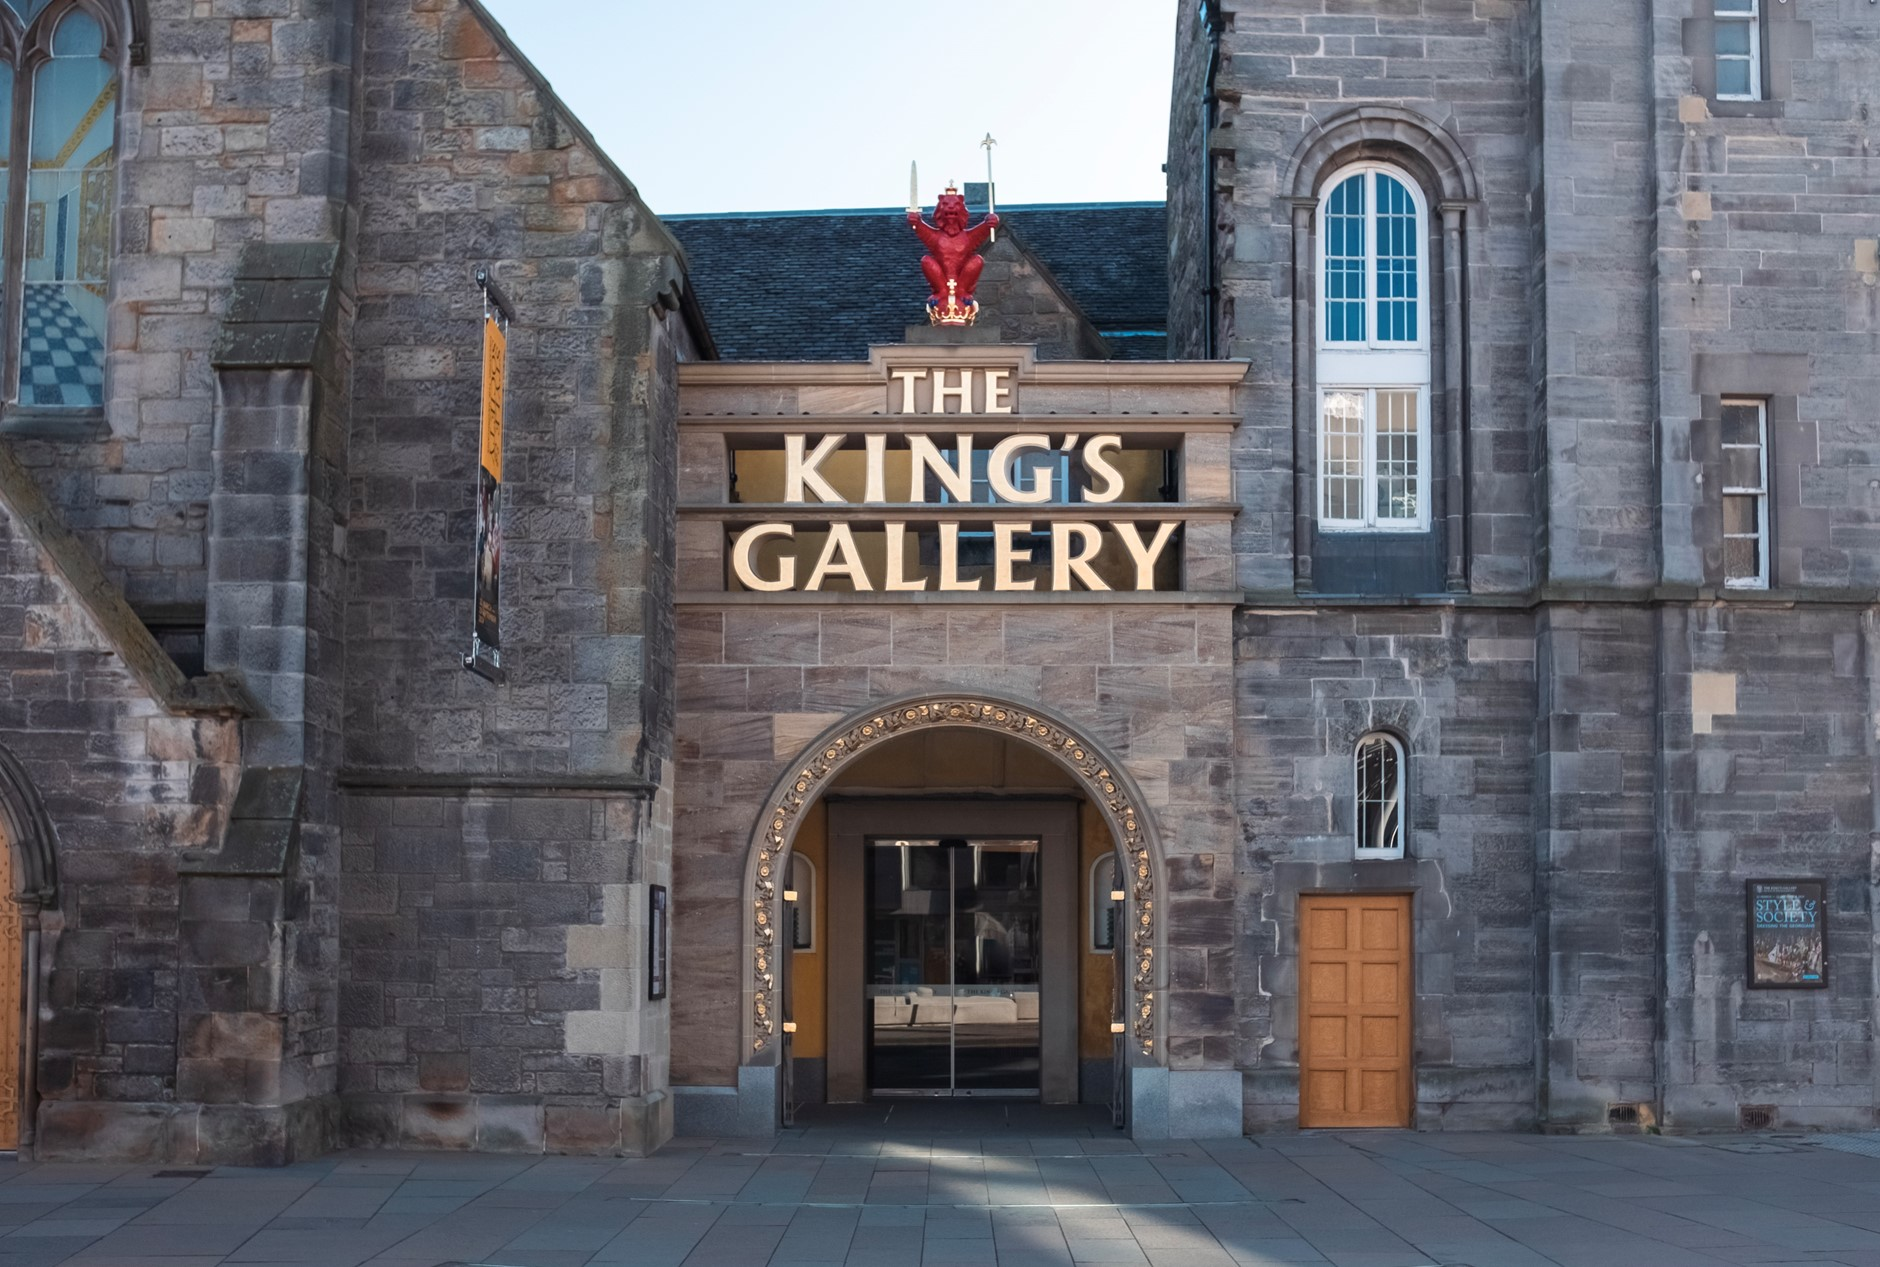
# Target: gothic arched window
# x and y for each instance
(1373, 352)
(59, 97)
(1378, 770)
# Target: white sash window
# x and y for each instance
(1373, 352)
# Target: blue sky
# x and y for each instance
(769, 105)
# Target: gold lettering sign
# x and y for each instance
(869, 551)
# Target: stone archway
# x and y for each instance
(1102, 777)
(31, 886)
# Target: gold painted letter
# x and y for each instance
(1099, 466)
(898, 580)
(1145, 556)
(841, 543)
(908, 379)
(1068, 559)
(875, 488)
(924, 456)
(799, 471)
(950, 561)
(963, 393)
(745, 547)
(997, 393)
(1004, 556)
(999, 471)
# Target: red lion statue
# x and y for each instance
(952, 264)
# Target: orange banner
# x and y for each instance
(495, 363)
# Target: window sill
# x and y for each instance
(1372, 530)
(67, 426)
(1734, 108)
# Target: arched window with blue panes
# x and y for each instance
(59, 82)
(1373, 354)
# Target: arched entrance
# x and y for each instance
(27, 887)
(1099, 777)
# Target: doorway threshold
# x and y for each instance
(932, 1118)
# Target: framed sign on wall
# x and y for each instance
(1788, 934)
(656, 941)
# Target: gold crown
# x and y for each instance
(953, 312)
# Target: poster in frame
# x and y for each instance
(656, 941)
(1788, 934)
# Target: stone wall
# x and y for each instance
(500, 836)
(756, 684)
(235, 130)
(129, 774)
(1458, 687)
(1768, 774)
(1766, 285)
(1291, 75)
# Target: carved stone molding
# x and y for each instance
(1106, 785)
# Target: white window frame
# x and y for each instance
(1362, 850)
(1752, 18)
(1370, 520)
(1372, 365)
(1761, 494)
(1106, 877)
(803, 910)
(1370, 342)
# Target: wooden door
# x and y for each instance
(1354, 1010)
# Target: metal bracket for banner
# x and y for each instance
(486, 656)
(494, 297)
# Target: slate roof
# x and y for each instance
(824, 285)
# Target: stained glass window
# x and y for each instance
(70, 196)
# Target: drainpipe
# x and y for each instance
(1215, 21)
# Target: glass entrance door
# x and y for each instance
(955, 951)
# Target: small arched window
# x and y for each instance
(1378, 775)
(59, 97)
(1373, 352)
(802, 908)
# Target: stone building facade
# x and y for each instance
(1484, 599)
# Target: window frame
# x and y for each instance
(1101, 902)
(27, 47)
(1362, 851)
(1371, 343)
(1725, 490)
(803, 910)
(1371, 522)
(1373, 365)
(1753, 20)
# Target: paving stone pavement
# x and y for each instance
(851, 1191)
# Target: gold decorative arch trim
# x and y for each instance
(1108, 787)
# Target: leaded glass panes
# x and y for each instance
(70, 194)
(1345, 263)
(1372, 458)
(1378, 769)
(1396, 262)
(1396, 457)
(1342, 457)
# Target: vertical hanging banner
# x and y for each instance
(486, 638)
